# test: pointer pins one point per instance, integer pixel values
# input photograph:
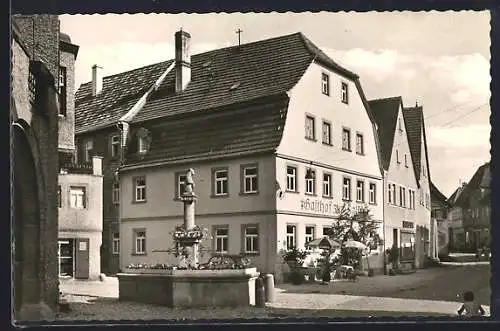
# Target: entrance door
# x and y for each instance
(395, 242)
(82, 258)
(65, 254)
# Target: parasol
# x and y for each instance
(355, 244)
(323, 243)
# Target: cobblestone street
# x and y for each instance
(420, 294)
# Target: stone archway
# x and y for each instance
(26, 224)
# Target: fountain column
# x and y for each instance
(189, 200)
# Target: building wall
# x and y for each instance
(163, 211)
(86, 222)
(161, 188)
(158, 238)
(67, 123)
(43, 132)
(401, 174)
(110, 212)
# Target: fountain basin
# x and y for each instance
(189, 288)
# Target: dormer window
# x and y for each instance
(325, 83)
(141, 144)
(397, 156)
(235, 86)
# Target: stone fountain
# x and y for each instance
(189, 285)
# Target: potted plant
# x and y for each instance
(295, 257)
(393, 258)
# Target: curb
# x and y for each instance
(465, 263)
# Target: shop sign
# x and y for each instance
(408, 225)
(327, 207)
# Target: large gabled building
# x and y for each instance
(252, 121)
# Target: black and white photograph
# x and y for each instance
(224, 166)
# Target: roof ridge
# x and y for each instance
(386, 99)
(198, 54)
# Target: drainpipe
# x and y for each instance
(384, 184)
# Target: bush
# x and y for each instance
(370, 272)
(326, 277)
(296, 277)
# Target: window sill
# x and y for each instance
(249, 193)
(345, 102)
(116, 253)
(324, 93)
(346, 200)
(327, 197)
(290, 191)
(250, 253)
(327, 144)
(61, 116)
(215, 196)
(360, 154)
(310, 194)
(360, 201)
(310, 139)
(372, 203)
(347, 149)
(139, 202)
(139, 254)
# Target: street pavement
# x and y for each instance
(425, 292)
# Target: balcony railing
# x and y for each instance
(77, 168)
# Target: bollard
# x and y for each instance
(269, 287)
(260, 295)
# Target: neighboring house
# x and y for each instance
(279, 135)
(475, 202)
(403, 215)
(34, 157)
(80, 185)
(439, 226)
(456, 233)
(415, 125)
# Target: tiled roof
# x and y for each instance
(385, 113)
(256, 70)
(414, 120)
(119, 93)
(228, 132)
(435, 193)
(481, 177)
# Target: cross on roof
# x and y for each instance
(239, 31)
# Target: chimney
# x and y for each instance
(96, 80)
(97, 165)
(182, 60)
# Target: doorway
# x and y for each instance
(66, 255)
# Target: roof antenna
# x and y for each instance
(239, 31)
(416, 103)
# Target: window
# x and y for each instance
(140, 242)
(32, 85)
(310, 134)
(345, 93)
(116, 193)
(311, 182)
(327, 231)
(221, 239)
(251, 239)
(291, 237)
(360, 191)
(394, 193)
(327, 133)
(327, 185)
(410, 203)
(140, 189)
(309, 235)
(115, 145)
(61, 89)
(116, 243)
(397, 156)
(400, 126)
(346, 139)
(88, 146)
(250, 182)
(59, 196)
(359, 144)
(421, 197)
(373, 193)
(181, 184)
(220, 179)
(325, 84)
(402, 196)
(406, 161)
(141, 144)
(77, 197)
(389, 193)
(291, 179)
(346, 189)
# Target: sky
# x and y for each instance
(439, 59)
